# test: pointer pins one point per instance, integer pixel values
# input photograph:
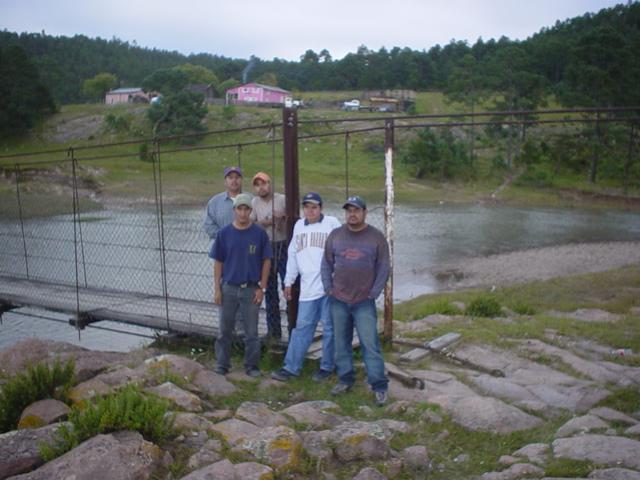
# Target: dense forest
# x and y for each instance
(587, 60)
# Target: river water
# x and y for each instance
(119, 249)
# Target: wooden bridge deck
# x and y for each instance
(190, 317)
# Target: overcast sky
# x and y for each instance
(286, 28)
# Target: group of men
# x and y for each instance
(342, 270)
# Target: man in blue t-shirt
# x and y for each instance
(242, 254)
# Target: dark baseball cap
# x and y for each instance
(229, 170)
(312, 197)
(355, 201)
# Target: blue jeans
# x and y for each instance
(309, 312)
(363, 316)
(236, 299)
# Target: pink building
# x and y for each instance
(257, 94)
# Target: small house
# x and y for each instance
(257, 94)
(126, 95)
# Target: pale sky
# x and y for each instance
(287, 28)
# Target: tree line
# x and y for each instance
(587, 60)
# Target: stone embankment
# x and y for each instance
(536, 383)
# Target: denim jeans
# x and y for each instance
(272, 300)
(309, 312)
(363, 316)
(236, 299)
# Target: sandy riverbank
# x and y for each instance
(539, 264)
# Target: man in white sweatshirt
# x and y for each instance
(305, 258)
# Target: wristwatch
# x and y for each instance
(264, 290)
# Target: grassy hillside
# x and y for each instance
(191, 176)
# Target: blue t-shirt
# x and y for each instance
(242, 252)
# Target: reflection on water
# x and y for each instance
(16, 327)
(120, 249)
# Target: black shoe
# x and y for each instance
(282, 375)
(253, 372)
(340, 388)
(321, 375)
(381, 397)
(221, 370)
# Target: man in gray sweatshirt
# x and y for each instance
(355, 268)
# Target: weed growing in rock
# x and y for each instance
(483, 306)
(127, 409)
(38, 382)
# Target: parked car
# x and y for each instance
(351, 106)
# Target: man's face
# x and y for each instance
(312, 212)
(233, 183)
(262, 188)
(242, 214)
(355, 216)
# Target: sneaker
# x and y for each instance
(381, 397)
(221, 370)
(253, 372)
(282, 375)
(321, 375)
(340, 388)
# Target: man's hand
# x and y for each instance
(217, 296)
(258, 296)
(287, 293)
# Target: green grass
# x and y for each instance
(37, 382)
(190, 177)
(128, 409)
(615, 291)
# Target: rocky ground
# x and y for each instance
(538, 264)
(536, 384)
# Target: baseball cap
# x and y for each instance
(242, 199)
(229, 170)
(312, 197)
(261, 176)
(355, 201)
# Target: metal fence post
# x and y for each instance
(292, 193)
(157, 180)
(388, 225)
(24, 240)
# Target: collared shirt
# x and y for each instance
(218, 214)
(267, 210)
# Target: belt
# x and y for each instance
(243, 285)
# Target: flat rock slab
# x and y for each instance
(43, 412)
(124, 455)
(235, 431)
(614, 474)
(260, 415)
(88, 363)
(514, 472)
(316, 413)
(466, 407)
(212, 384)
(183, 399)
(225, 470)
(280, 447)
(589, 315)
(19, 449)
(580, 425)
(600, 449)
(612, 415)
(588, 368)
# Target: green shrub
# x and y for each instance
(37, 382)
(127, 409)
(441, 306)
(484, 306)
